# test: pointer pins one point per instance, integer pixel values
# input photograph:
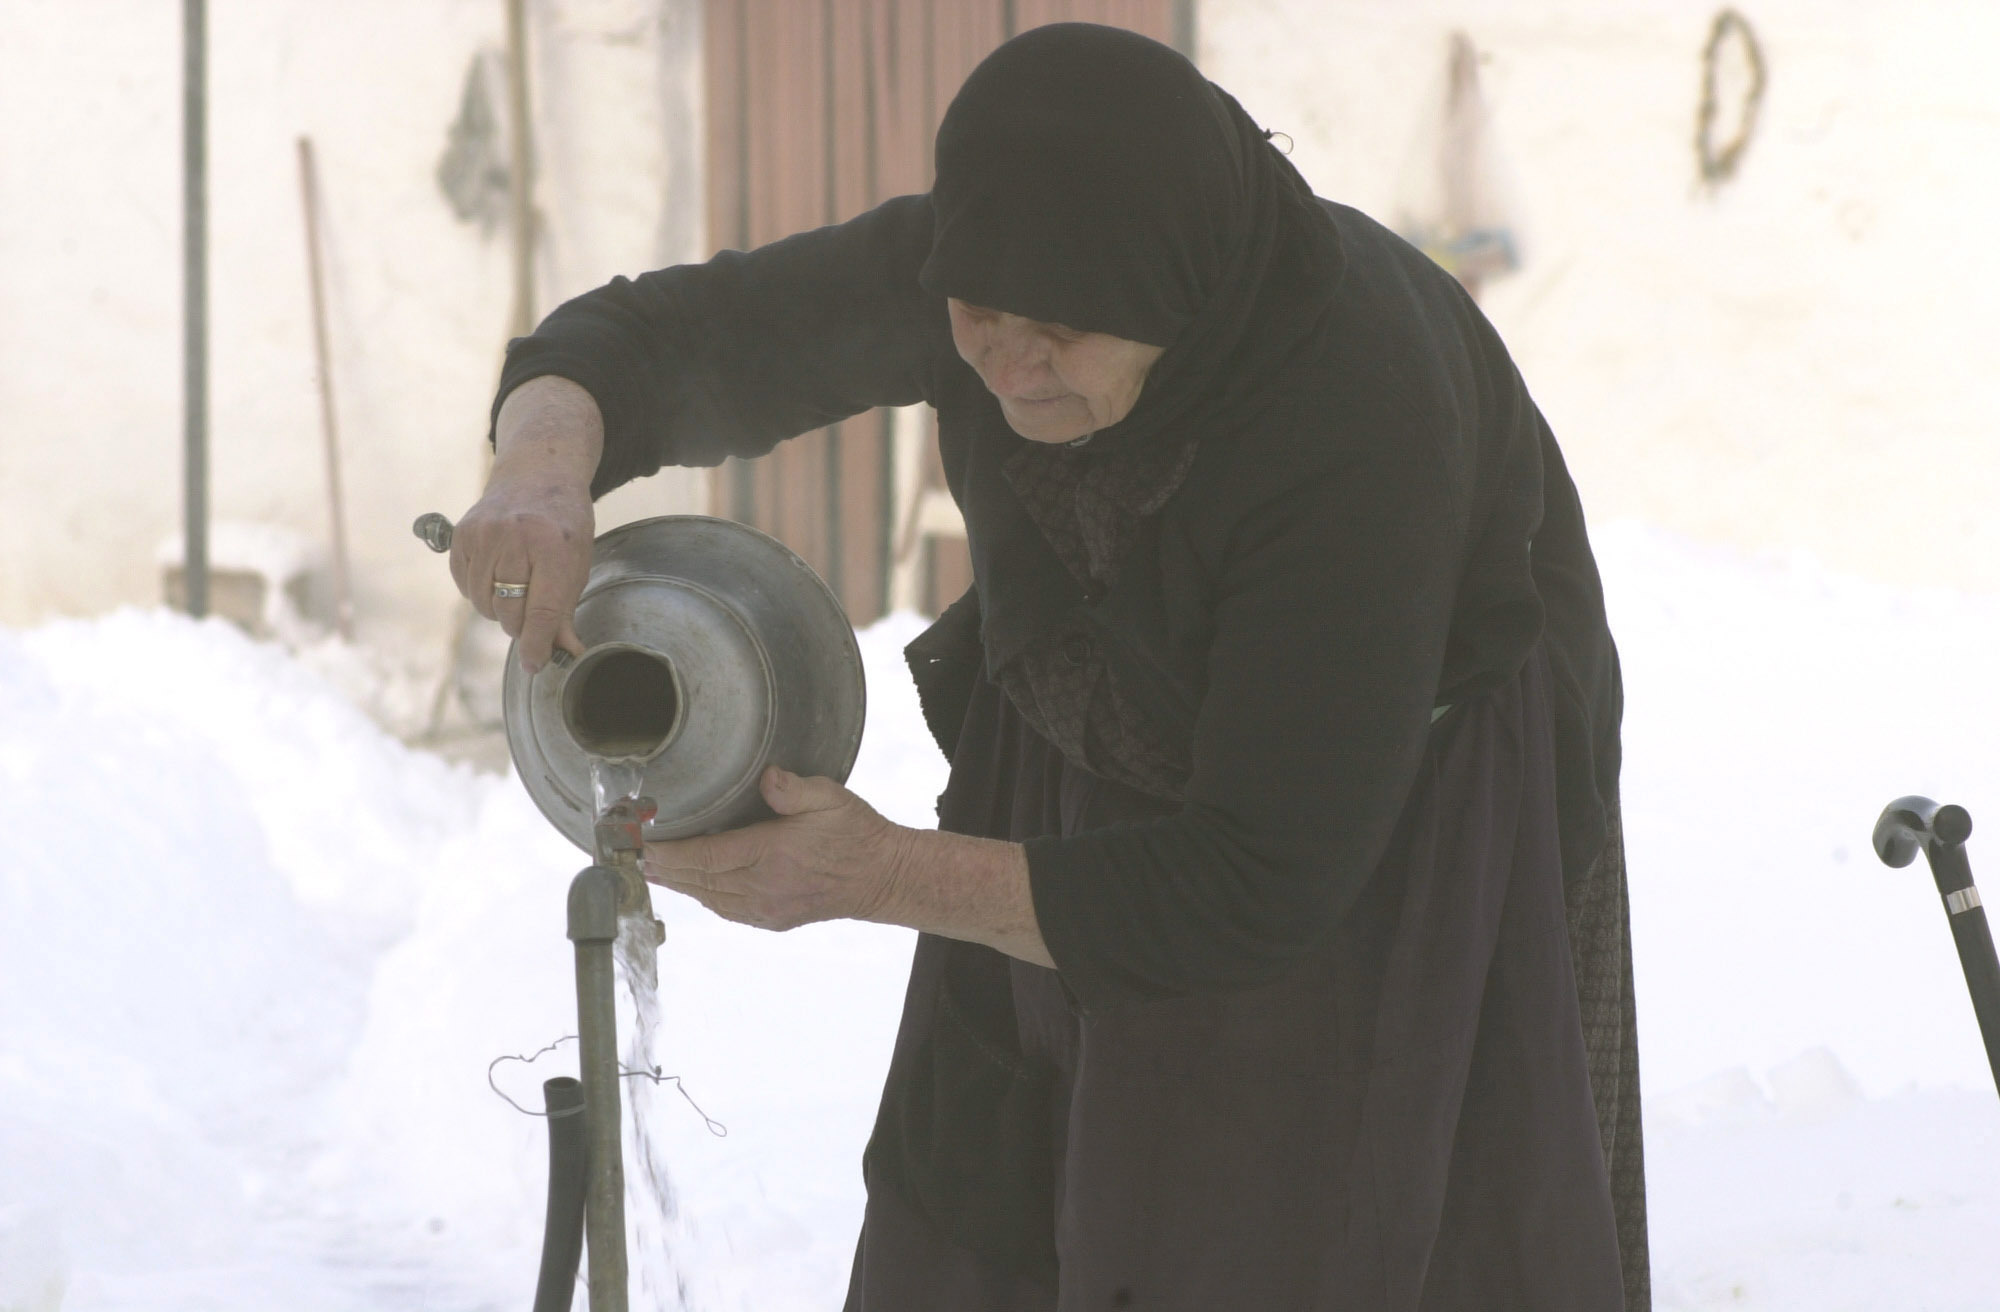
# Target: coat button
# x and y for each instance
(1093, 593)
(1076, 649)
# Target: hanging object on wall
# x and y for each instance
(1733, 77)
(472, 173)
(1453, 205)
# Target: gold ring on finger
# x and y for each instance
(510, 589)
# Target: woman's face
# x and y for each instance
(1053, 383)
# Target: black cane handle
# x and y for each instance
(1911, 824)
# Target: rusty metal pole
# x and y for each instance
(194, 303)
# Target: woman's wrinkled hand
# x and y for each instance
(534, 526)
(828, 856)
(529, 531)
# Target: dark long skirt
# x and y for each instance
(1600, 942)
(1402, 1121)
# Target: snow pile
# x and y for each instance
(256, 957)
(1889, 1204)
(204, 849)
(1811, 1087)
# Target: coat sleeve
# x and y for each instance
(698, 362)
(1331, 611)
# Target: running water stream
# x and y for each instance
(650, 1208)
(614, 780)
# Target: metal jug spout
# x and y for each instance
(622, 701)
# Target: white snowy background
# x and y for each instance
(256, 956)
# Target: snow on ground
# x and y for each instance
(256, 956)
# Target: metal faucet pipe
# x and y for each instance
(593, 927)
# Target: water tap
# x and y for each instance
(621, 845)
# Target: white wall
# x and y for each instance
(1808, 357)
(1804, 357)
(90, 308)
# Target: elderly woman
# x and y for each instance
(1282, 717)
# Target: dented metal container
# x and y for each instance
(711, 651)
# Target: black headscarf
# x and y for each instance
(1092, 177)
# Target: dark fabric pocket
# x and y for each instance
(965, 1135)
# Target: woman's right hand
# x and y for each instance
(534, 525)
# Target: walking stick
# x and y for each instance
(1909, 823)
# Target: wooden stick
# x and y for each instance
(520, 169)
(343, 600)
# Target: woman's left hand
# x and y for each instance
(828, 856)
